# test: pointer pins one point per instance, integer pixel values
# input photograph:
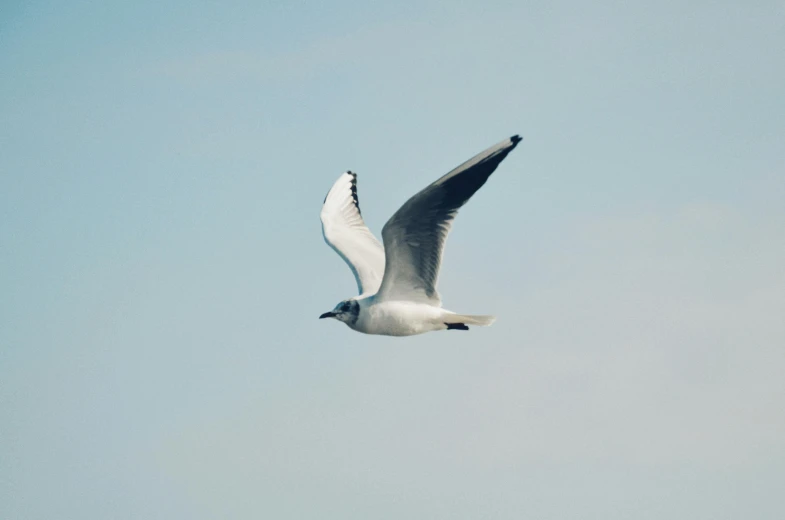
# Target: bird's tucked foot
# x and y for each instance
(456, 326)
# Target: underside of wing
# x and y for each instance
(345, 231)
(414, 236)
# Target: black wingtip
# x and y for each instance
(354, 191)
(516, 139)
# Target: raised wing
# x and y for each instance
(345, 231)
(414, 236)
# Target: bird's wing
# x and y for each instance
(344, 230)
(414, 236)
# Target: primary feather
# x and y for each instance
(414, 236)
(345, 231)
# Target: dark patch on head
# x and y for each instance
(349, 310)
(354, 311)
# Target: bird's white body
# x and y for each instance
(397, 318)
(397, 281)
(400, 318)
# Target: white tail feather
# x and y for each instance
(481, 321)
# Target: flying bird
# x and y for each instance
(397, 281)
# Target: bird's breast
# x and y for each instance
(398, 318)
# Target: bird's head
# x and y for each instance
(346, 311)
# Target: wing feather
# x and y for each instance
(345, 231)
(414, 236)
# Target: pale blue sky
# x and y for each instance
(162, 166)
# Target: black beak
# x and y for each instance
(327, 315)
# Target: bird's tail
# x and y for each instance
(466, 319)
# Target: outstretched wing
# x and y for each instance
(414, 236)
(345, 231)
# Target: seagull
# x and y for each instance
(397, 281)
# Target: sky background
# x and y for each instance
(162, 168)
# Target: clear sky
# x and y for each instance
(162, 167)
